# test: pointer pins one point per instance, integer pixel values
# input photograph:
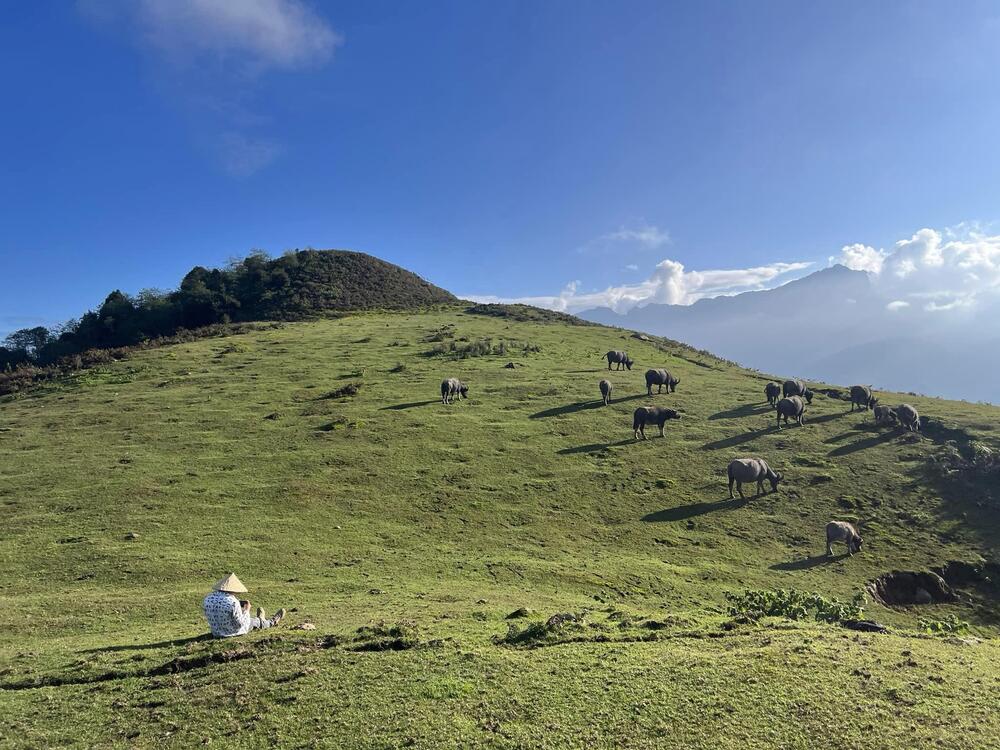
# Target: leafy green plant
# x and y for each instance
(754, 604)
(951, 625)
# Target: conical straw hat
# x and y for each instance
(231, 585)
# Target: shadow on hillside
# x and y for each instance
(592, 447)
(865, 444)
(682, 512)
(845, 436)
(581, 406)
(411, 405)
(809, 562)
(747, 410)
(142, 646)
(826, 417)
(743, 437)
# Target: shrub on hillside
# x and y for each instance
(753, 604)
(482, 348)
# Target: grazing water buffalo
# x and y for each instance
(796, 388)
(660, 378)
(885, 414)
(908, 417)
(606, 391)
(645, 415)
(751, 470)
(862, 397)
(842, 531)
(453, 388)
(618, 358)
(773, 393)
(793, 407)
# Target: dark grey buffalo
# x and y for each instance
(842, 531)
(751, 470)
(908, 417)
(885, 414)
(773, 393)
(796, 388)
(619, 358)
(452, 389)
(645, 415)
(660, 378)
(793, 407)
(606, 389)
(862, 398)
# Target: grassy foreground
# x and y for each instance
(406, 531)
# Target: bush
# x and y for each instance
(753, 604)
(482, 348)
(949, 626)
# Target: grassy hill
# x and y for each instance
(316, 460)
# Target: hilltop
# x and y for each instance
(316, 460)
(297, 285)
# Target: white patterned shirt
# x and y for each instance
(225, 616)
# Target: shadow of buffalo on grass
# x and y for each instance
(581, 406)
(743, 437)
(809, 562)
(747, 410)
(593, 447)
(860, 445)
(683, 512)
(411, 405)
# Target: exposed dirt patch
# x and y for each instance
(345, 391)
(904, 587)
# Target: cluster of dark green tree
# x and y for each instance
(297, 285)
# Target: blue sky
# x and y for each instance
(503, 149)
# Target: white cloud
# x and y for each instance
(669, 284)
(243, 156)
(212, 53)
(935, 271)
(254, 33)
(641, 237)
(952, 268)
(631, 267)
(646, 235)
(860, 257)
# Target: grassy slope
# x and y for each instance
(389, 506)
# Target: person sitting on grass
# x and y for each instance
(228, 616)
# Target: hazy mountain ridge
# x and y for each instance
(834, 325)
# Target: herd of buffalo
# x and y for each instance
(789, 401)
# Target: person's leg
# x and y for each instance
(263, 623)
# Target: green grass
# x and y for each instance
(383, 510)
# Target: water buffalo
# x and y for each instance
(619, 358)
(793, 407)
(452, 389)
(645, 415)
(660, 378)
(862, 397)
(842, 531)
(908, 417)
(796, 388)
(606, 389)
(773, 393)
(885, 414)
(751, 470)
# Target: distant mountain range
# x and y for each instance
(834, 325)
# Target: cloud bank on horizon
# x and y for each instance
(933, 270)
